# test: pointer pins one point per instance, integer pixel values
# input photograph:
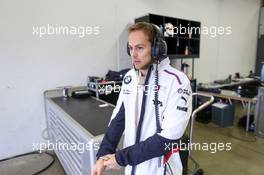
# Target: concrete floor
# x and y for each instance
(30, 164)
(245, 157)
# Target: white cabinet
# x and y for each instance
(76, 128)
(73, 144)
(68, 141)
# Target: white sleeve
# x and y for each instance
(118, 104)
(178, 111)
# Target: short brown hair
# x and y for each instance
(146, 28)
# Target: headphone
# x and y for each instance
(159, 46)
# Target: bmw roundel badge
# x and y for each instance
(127, 79)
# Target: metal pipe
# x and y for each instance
(201, 107)
(248, 115)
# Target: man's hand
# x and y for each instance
(111, 162)
(99, 167)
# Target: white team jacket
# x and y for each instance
(175, 110)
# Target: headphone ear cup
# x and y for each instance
(128, 50)
(159, 48)
(162, 49)
(155, 51)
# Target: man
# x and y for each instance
(147, 93)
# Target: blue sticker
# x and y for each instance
(127, 79)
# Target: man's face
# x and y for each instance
(140, 49)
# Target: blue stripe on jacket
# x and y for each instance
(154, 146)
(113, 134)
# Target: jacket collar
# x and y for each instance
(163, 64)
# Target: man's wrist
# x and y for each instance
(117, 159)
(105, 158)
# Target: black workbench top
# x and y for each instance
(87, 113)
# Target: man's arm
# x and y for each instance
(113, 133)
(114, 130)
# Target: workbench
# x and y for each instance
(79, 125)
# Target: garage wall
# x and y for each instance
(31, 64)
(237, 52)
